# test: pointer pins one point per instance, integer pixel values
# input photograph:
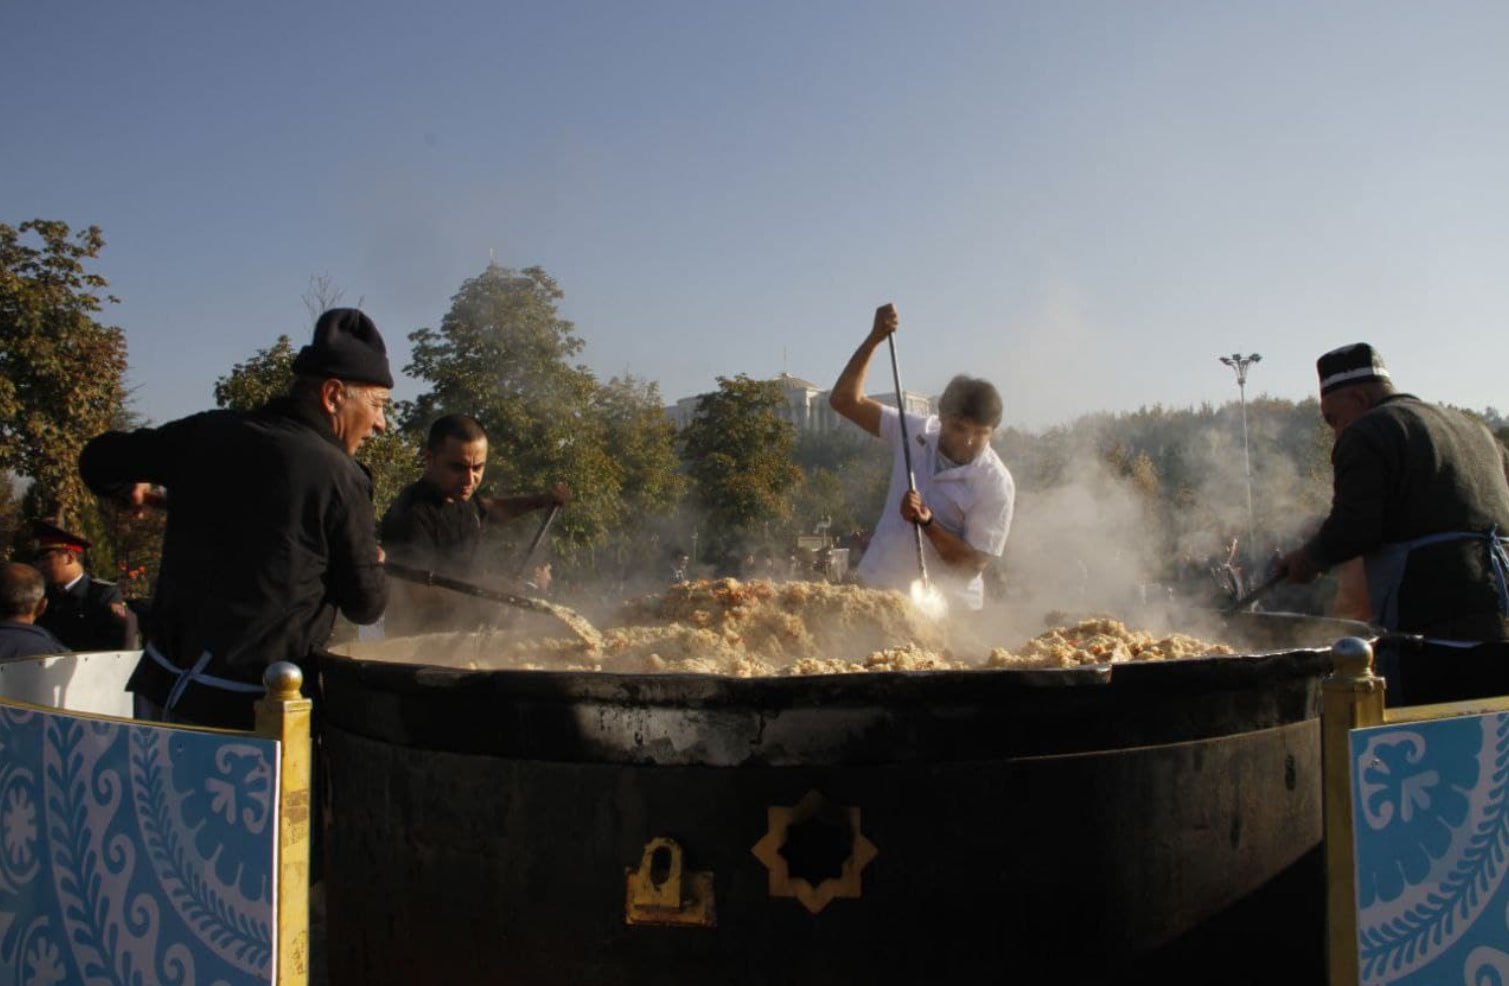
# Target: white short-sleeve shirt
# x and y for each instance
(973, 501)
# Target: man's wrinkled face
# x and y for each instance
(1341, 407)
(359, 412)
(455, 469)
(962, 439)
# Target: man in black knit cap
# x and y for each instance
(1421, 494)
(270, 527)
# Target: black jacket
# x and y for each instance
(424, 531)
(270, 530)
(90, 615)
(1406, 469)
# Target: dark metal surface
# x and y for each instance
(1192, 862)
(1137, 823)
(885, 717)
(1284, 631)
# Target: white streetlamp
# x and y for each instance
(1240, 364)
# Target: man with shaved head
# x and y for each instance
(23, 598)
(437, 523)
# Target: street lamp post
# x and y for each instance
(1240, 364)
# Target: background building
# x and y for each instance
(806, 405)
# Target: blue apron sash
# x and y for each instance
(1385, 570)
(196, 676)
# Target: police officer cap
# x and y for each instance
(1357, 363)
(50, 537)
(346, 346)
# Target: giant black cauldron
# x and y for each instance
(1148, 823)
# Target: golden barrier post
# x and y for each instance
(1351, 698)
(284, 715)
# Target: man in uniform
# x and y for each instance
(23, 598)
(964, 494)
(1421, 494)
(436, 523)
(85, 613)
(270, 527)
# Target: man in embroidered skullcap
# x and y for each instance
(270, 527)
(1421, 495)
(85, 613)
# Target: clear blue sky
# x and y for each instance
(1084, 201)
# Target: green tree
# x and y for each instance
(504, 355)
(644, 441)
(11, 533)
(268, 374)
(845, 477)
(738, 452)
(61, 370)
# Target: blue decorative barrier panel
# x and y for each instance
(134, 854)
(1430, 819)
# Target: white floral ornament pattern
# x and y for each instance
(1431, 830)
(111, 870)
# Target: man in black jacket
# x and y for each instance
(270, 527)
(1421, 494)
(85, 613)
(436, 524)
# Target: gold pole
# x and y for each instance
(1351, 698)
(284, 715)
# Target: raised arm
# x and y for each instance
(848, 394)
(505, 508)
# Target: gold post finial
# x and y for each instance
(1352, 657)
(283, 681)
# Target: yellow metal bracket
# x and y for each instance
(855, 852)
(660, 891)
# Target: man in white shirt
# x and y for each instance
(964, 494)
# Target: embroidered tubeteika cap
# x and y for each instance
(1357, 363)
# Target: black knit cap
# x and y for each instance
(1357, 363)
(346, 346)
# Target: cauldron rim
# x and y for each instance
(1199, 672)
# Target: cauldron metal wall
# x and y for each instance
(1159, 822)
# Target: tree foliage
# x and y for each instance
(10, 516)
(61, 370)
(644, 440)
(266, 375)
(845, 475)
(504, 355)
(738, 452)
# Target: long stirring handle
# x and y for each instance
(906, 449)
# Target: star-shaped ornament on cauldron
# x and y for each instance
(814, 851)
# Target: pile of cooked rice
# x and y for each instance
(759, 628)
(1099, 641)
